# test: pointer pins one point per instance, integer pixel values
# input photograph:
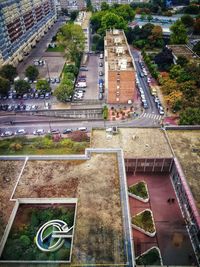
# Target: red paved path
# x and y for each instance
(171, 237)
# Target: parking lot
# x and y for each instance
(87, 85)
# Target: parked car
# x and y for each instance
(83, 129)
(101, 73)
(39, 132)
(47, 95)
(54, 131)
(100, 96)
(67, 131)
(83, 68)
(57, 80)
(20, 132)
(7, 133)
(100, 64)
(36, 95)
(42, 96)
(141, 75)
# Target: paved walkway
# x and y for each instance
(171, 237)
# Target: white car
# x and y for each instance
(39, 132)
(83, 129)
(161, 112)
(20, 132)
(7, 133)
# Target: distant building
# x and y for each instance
(22, 23)
(185, 51)
(119, 68)
(83, 20)
(72, 5)
(97, 3)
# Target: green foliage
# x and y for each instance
(64, 90)
(8, 72)
(144, 220)
(4, 86)
(196, 48)
(25, 241)
(164, 59)
(15, 147)
(182, 61)
(187, 20)
(20, 244)
(112, 21)
(139, 189)
(32, 72)
(197, 26)
(179, 33)
(43, 85)
(105, 6)
(22, 87)
(190, 116)
(152, 67)
(151, 258)
(105, 112)
(72, 38)
(71, 68)
(73, 15)
(192, 9)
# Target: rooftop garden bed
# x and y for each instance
(150, 257)
(139, 191)
(144, 222)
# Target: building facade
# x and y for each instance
(83, 20)
(72, 5)
(22, 24)
(119, 69)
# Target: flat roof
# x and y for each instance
(95, 182)
(117, 51)
(183, 50)
(135, 142)
(186, 145)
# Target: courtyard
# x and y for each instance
(171, 234)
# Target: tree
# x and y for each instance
(4, 86)
(196, 48)
(72, 38)
(112, 21)
(22, 87)
(164, 59)
(25, 241)
(8, 72)
(197, 26)
(64, 91)
(43, 85)
(187, 20)
(125, 11)
(175, 71)
(149, 17)
(173, 97)
(32, 72)
(182, 61)
(178, 33)
(105, 6)
(169, 86)
(190, 116)
(192, 9)
(71, 68)
(73, 15)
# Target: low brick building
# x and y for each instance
(119, 69)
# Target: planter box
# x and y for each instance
(145, 200)
(151, 234)
(146, 252)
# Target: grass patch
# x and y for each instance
(139, 190)
(144, 220)
(56, 49)
(152, 257)
(41, 146)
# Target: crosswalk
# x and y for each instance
(151, 116)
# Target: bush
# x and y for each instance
(79, 136)
(105, 112)
(25, 241)
(15, 147)
(67, 143)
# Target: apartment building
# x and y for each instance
(73, 5)
(22, 24)
(83, 20)
(119, 69)
(97, 3)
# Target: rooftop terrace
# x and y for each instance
(117, 51)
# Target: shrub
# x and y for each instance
(67, 143)
(79, 136)
(15, 147)
(25, 241)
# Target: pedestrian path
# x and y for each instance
(151, 116)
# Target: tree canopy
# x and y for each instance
(4, 86)
(179, 33)
(43, 85)
(8, 72)
(187, 20)
(32, 72)
(196, 48)
(72, 38)
(22, 87)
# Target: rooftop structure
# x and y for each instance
(72, 5)
(183, 50)
(119, 68)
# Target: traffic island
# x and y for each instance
(144, 222)
(139, 191)
(150, 257)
